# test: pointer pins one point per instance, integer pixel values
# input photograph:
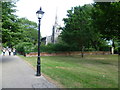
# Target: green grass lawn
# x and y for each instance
(92, 71)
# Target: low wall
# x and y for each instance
(68, 53)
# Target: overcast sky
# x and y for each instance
(28, 8)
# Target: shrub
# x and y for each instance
(90, 49)
(60, 47)
(116, 50)
(52, 48)
(104, 48)
(47, 48)
(24, 47)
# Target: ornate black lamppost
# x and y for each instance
(39, 15)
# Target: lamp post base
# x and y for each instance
(38, 70)
(38, 74)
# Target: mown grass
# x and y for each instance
(92, 71)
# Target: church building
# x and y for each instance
(55, 33)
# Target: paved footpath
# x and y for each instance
(18, 74)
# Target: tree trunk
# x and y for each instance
(82, 52)
(113, 46)
(94, 45)
(119, 47)
(119, 50)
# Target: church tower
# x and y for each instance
(55, 31)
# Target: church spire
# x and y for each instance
(55, 29)
(56, 18)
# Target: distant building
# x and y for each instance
(55, 33)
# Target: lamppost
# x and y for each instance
(39, 15)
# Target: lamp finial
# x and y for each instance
(40, 8)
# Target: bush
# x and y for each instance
(24, 47)
(27, 47)
(52, 48)
(90, 49)
(60, 47)
(104, 48)
(116, 50)
(47, 48)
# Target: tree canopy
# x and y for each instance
(106, 17)
(10, 27)
(78, 30)
(92, 25)
(29, 30)
(14, 29)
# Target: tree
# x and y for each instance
(29, 30)
(106, 19)
(11, 31)
(16, 30)
(78, 30)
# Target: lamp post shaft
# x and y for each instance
(38, 59)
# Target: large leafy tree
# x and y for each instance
(78, 30)
(106, 17)
(29, 30)
(11, 31)
(16, 30)
(75, 31)
(29, 35)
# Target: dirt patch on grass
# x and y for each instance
(97, 58)
(78, 85)
(100, 58)
(64, 68)
(50, 67)
(60, 67)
